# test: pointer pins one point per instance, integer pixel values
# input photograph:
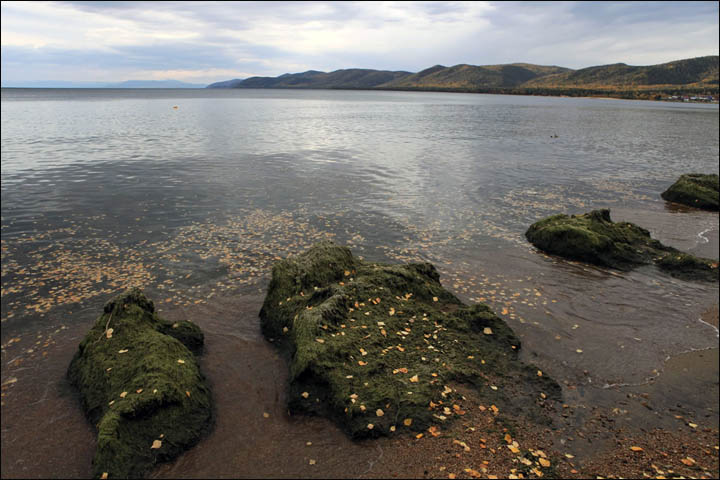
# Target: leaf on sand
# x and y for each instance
(266, 415)
(156, 444)
(688, 461)
(545, 463)
(311, 461)
(636, 449)
(434, 431)
(462, 444)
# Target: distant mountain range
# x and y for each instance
(690, 75)
(126, 84)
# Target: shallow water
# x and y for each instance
(106, 189)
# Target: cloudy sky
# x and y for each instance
(204, 42)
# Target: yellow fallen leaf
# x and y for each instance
(414, 379)
(139, 390)
(379, 412)
(434, 431)
(305, 394)
(636, 449)
(435, 299)
(688, 461)
(487, 331)
(451, 476)
(156, 444)
(370, 426)
(187, 392)
(539, 373)
(109, 332)
(419, 436)
(363, 352)
(266, 415)
(392, 428)
(361, 363)
(569, 455)
(123, 394)
(508, 438)
(320, 340)
(407, 422)
(311, 462)
(544, 463)
(692, 425)
(181, 361)
(462, 444)
(513, 449)
(579, 350)
(391, 312)
(104, 476)
(123, 351)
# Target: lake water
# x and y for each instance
(193, 194)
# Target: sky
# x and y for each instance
(205, 42)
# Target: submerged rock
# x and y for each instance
(377, 347)
(696, 190)
(141, 386)
(594, 238)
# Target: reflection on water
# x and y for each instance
(103, 190)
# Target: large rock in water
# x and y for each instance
(377, 347)
(594, 238)
(141, 385)
(696, 190)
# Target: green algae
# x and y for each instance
(372, 345)
(695, 190)
(140, 383)
(594, 238)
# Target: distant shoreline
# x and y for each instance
(604, 96)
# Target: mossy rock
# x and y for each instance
(376, 344)
(140, 382)
(594, 238)
(695, 190)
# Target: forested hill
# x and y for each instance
(695, 75)
(693, 71)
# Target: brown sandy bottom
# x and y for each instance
(44, 434)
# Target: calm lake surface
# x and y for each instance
(193, 194)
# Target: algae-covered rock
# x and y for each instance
(141, 386)
(696, 190)
(376, 347)
(594, 238)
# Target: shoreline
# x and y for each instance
(238, 363)
(599, 97)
